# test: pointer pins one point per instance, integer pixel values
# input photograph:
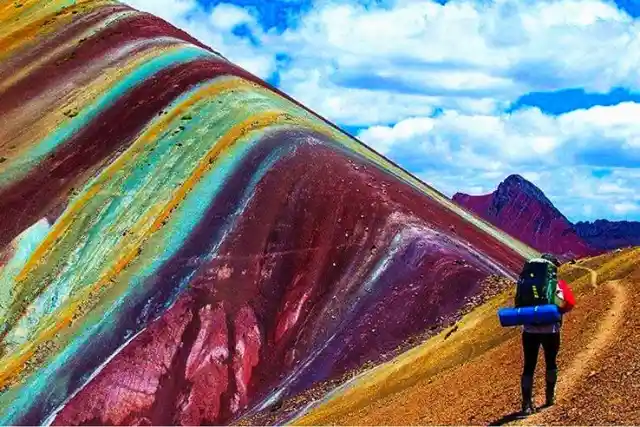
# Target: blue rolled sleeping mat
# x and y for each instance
(536, 315)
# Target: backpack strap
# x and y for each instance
(552, 282)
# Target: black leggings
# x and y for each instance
(531, 345)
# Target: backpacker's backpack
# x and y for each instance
(537, 283)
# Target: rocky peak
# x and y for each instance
(512, 187)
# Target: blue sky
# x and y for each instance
(461, 93)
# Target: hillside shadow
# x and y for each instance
(506, 419)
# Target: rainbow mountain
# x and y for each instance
(181, 243)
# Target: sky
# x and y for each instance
(461, 93)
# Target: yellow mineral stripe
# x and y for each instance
(80, 98)
(69, 46)
(19, 26)
(16, 18)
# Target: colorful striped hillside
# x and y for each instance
(181, 243)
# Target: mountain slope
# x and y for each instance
(180, 243)
(519, 208)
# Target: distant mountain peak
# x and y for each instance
(512, 184)
(509, 189)
(521, 209)
(516, 179)
(518, 182)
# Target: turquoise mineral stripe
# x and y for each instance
(86, 254)
(26, 243)
(182, 223)
(22, 165)
(192, 209)
(144, 182)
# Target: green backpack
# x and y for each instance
(537, 283)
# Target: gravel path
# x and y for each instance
(588, 358)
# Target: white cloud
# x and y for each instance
(524, 137)
(472, 56)
(214, 27)
(226, 17)
(349, 106)
(626, 207)
(614, 188)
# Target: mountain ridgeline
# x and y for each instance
(607, 235)
(521, 209)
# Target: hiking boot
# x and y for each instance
(527, 395)
(551, 378)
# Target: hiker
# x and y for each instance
(538, 285)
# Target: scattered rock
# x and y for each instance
(451, 332)
(71, 113)
(276, 406)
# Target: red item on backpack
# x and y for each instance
(567, 296)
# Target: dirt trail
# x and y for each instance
(594, 274)
(581, 364)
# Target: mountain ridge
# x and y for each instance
(608, 235)
(520, 208)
